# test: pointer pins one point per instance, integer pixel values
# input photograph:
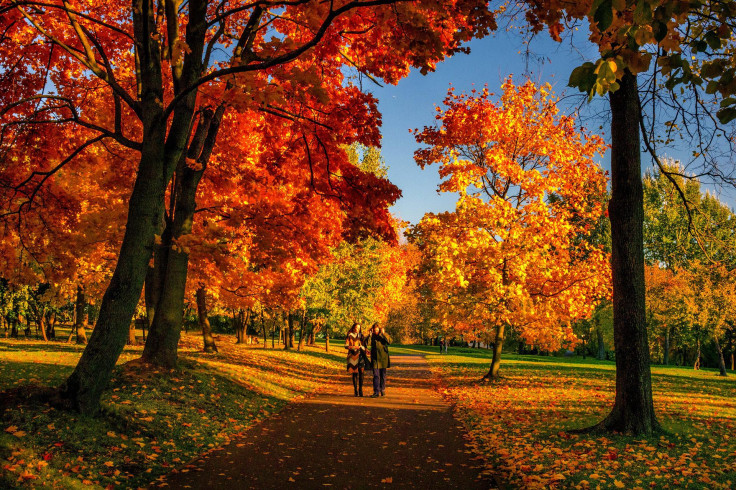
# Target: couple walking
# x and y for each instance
(357, 345)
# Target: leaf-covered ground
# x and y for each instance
(520, 423)
(152, 421)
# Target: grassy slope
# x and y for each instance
(152, 421)
(520, 421)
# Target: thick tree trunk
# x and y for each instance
(204, 322)
(666, 360)
(80, 316)
(721, 360)
(240, 321)
(163, 338)
(159, 155)
(145, 209)
(633, 410)
(601, 345)
(154, 281)
(497, 350)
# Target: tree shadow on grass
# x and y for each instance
(50, 346)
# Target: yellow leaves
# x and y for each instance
(618, 484)
(13, 430)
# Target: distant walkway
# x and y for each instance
(408, 438)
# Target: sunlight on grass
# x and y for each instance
(520, 423)
(152, 420)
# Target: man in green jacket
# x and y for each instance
(378, 339)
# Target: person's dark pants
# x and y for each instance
(379, 380)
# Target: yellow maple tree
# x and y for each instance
(519, 249)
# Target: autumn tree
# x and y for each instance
(688, 45)
(513, 253)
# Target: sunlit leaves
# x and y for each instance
(517, 249)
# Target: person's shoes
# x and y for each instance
(375, 395)
(383, 394)
(360, 393)
(356, 394)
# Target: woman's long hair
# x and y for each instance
(354, 328)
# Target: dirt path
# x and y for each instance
(408, 438)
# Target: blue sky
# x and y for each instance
(411, 104)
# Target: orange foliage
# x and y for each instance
(516, 250)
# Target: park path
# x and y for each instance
(407, 439)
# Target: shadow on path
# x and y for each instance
(407, 439)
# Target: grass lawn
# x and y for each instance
(152, 421)
(519, 422)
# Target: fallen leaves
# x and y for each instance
(167, 419)
(521, 424)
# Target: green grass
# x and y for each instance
(520, 422)
(152, 421)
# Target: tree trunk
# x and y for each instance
(327, 342)
(145, 210)
(241, 322)
(265, 332)
(131, 334)
(721, 361)
(696, 366)
(204, 322)
(666, 359)
(285, 326)
(497, 349)
(291, 330)
(633, 409)
(163, 337)
(733, 366)
(41, 322)
(80, 316)
(159, 156)
(302, 322)
(601, 345)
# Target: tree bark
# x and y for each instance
(327, 342)
(241, 321)
(265, 332)
(601, 345)
(204, 322)
(633, 409)
(290, 331)
(163, 338)
(302, 322)
(666, 360)
(497, 350)
(80, 316)
(132, 340)
(721, 360)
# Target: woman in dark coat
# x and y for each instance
(379, 340)
(356, 360)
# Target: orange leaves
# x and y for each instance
(521, 423)
(517, 250)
